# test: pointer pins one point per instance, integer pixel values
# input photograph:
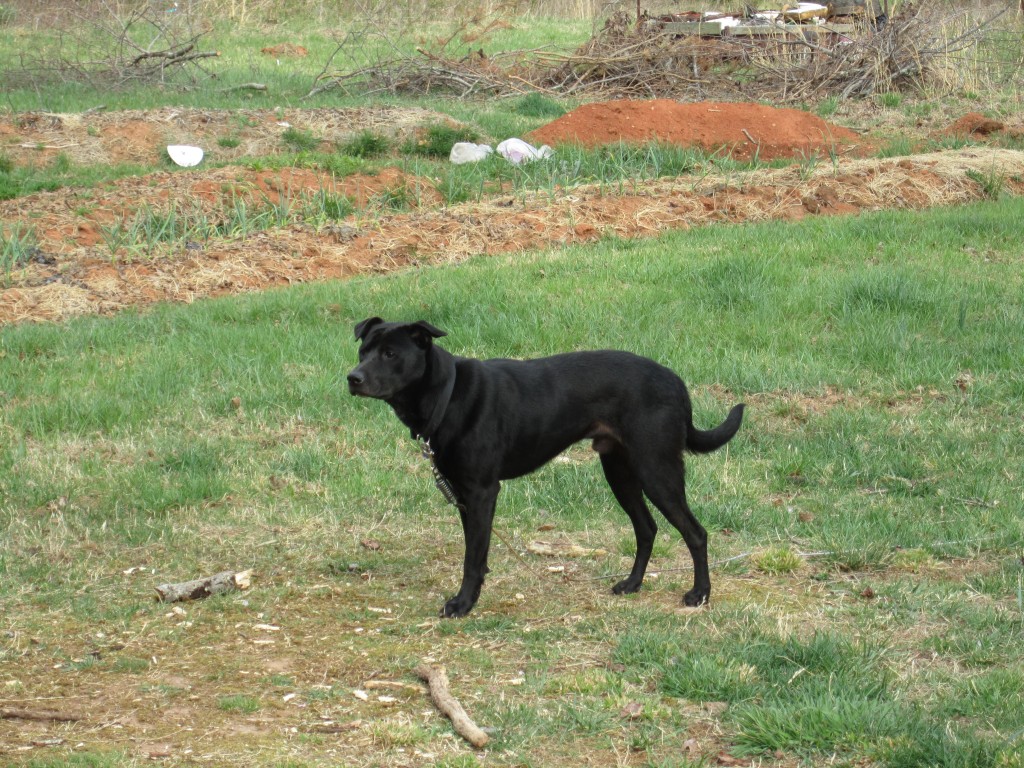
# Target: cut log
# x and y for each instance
(437, 681)
(219, 583)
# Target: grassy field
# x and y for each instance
(865, 524)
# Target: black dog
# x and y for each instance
(490, 420)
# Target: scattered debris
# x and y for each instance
(514, 150)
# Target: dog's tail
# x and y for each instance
(705, 441)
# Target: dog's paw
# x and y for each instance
(696, 597)
(456, 608)
(627, 587)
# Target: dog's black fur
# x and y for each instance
(491, 420)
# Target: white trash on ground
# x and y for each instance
(518, 151)
(514, 150)
(468, 152)
(184, 155)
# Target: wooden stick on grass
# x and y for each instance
(437, 681)
(226, 581)
(26, 714)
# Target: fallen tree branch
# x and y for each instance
(49, 717)
(246, 87)
(437, 681)
(219, 583)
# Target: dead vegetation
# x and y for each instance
(919, 45)
(108, 44)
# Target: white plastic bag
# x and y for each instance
(468, 152)
(518, 151)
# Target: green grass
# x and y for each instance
(299, 141)
(185, 440)
(436, 140)
(614, 168)
(152, 231)
(538, 105)
(17, 181)
(366, 144)
(17, 245)
(239, 703)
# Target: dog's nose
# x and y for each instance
(355, 378)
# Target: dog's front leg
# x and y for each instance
(477, 512)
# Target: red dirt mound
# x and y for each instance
(745, 130)
(975, 124)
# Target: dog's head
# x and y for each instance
(391, 356)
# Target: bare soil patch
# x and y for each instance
(74, 271)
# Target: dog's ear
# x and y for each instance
(364, 327)
(423, 333)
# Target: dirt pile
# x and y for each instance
(744, 130)
(975, 125)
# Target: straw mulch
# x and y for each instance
(378, 243)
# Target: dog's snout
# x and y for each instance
(356, 378)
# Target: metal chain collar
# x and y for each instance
(442, 482)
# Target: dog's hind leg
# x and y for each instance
(477, 512)
(629, 493)
(665, 485)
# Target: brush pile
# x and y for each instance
(918, 44)
(116, 45)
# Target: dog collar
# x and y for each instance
(440, 407)
(440, 481)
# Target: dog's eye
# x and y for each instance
(387, 354)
